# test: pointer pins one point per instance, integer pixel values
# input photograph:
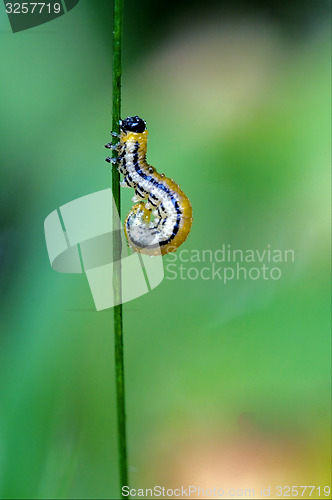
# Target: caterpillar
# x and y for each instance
(157, 195)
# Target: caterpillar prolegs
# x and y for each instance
(156, 195)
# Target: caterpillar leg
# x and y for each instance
(111, 160)
(109, 145)
(123, 171)
(127, 180)
(140, 194)
(139, 197)
(152, 202)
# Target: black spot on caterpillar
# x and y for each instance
(156, 194)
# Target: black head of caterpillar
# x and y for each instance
(133, 124)
(156, 194)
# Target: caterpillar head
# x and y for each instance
(133, 124)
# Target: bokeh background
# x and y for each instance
(226, 385)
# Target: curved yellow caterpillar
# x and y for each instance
(156, 194)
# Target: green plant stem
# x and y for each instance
(117, 286)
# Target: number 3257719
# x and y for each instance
(30, 8)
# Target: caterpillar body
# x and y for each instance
(156, 195)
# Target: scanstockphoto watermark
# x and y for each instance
(228, 264)
(187, 491)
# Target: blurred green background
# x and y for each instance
(226, 385)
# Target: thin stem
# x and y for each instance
(117, 286)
